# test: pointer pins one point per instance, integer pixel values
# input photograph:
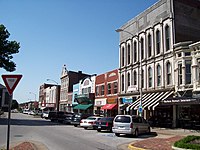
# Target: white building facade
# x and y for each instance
(156, 60)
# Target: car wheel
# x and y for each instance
(85, 128)
(117, 134)
(75, 125)
(99, 130)
(136, 132)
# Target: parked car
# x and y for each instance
(132, 125)
(105, 123)
(76, 118)
(68, 119)
(45, 115)
(61, 116)
(26, 111)
(89, 122)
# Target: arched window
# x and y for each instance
(150, 76)
(169, 73)
(129, 54)
(158, 42)
(167, 37)
(142, 48)
(135, 77)
(135, 51)
(122, 82)
(123, 56)
(158, 75)
(149, 45)
(129, 79)
(142, 78)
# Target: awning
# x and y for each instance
(82, 99)
(150, 100)
(109, 106)
(82, 107)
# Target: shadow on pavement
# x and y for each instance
(28, 122)
(141, 136)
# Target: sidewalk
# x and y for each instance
(163, 141)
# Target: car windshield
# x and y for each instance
(91, 118)
(123, 119)
(107, 119)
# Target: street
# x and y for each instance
(58, 136)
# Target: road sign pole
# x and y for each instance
(11, 82)
(9, 114)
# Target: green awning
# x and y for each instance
(82, 99)
(82, 107)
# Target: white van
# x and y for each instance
(132, 125)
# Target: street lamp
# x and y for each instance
(35, 98)
(57, 100)
(140, 70)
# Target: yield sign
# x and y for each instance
(11, 82)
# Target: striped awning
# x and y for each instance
(150, 100)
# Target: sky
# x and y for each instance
(78, 33)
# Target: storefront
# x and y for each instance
(186, 112)
(124, 103)
(84, 104)
(111, 108)
(98, 104)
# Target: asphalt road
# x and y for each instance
(58, 136)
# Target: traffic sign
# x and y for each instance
(11, 82)
(140, 109)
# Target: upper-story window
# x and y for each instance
(187, 53)
(115, 87)
(158, 42)
(135, 51)
(135, 77)
(158, 75)
(167, 37)
(169, 73)
(180, 74)
(122, 82)
(142, 78)
(129, 54)
(109, 88)
(188, 71)
(97, 91)
(129, 79)
(142, 48)
(149, 45)
(150, 76)
(123, 56)
(102, 90)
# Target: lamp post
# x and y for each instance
(140, 110)
(34, 100)
(57, 100)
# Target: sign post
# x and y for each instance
(11, 82)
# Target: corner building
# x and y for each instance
(157, 59)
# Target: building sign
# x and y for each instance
(127, 100)
(100, 102)
(111, 100)
(181, 101)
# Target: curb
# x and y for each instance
(131, 147)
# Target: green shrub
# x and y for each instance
(185, 142)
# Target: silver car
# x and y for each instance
(132, 125)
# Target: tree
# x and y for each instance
(15, 104)
(7, 48)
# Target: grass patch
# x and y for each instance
(189, 142)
